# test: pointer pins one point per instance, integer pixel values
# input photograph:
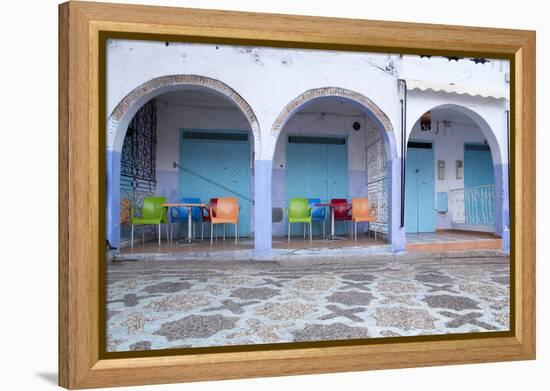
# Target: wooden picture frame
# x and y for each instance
(81, 165)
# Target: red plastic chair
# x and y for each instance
(341, 213)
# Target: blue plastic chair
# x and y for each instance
(179, 214)
(317, 212)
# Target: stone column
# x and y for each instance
(262, 207)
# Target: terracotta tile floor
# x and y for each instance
(446, 237)
(452, 241)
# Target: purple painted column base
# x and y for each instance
(113, 199)
(502, 201)
(506, 240)
(396, 233)
(262, 208)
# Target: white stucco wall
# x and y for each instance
(462, 72)
(267, 78)
(487, 113)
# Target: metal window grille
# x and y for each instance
(477, 147)
(419, 145)
(215, 136)
(316, 140)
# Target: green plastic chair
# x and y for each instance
(152, 213)
(299, 211)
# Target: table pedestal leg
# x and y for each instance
(189, 227)
(332, 236)
(332, 229)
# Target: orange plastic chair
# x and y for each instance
(227, 212)
(361, 212)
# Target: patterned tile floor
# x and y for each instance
(159, 305)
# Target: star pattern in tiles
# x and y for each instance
(337, 312)
(177, 305)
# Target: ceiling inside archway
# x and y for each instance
(203, 98)
(449, 114)
(332, 105)
(196, 98)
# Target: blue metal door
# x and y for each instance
(478, 165)
(316, 167)
(215, 164)
(419, 188)
(479, 180)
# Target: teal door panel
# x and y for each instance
(194, 161)
(411, 193)
(478, 168)
(211, 168)
(238, 181)
(419, 191)
(316, 171)
(479, 203)
(337, 163)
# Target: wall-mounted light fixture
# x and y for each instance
(426, 121)
(356, 126)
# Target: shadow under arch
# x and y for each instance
(481, 123)
(118, 121)
(382, 121)
(360, 101)
(500, 161)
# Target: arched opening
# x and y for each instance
(179, 137)
(454, 174)
(334, 143)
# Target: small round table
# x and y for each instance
(189, 216)
(332, 236)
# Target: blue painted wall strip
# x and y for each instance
(396, 232)
(113, 198)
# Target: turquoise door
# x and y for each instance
(479, 180)
(215, 164)
(317, 167)
(478, 165)
(419, 188)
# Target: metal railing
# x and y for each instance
(473, 205)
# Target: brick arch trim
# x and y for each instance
(309, 95)
(154, 87)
